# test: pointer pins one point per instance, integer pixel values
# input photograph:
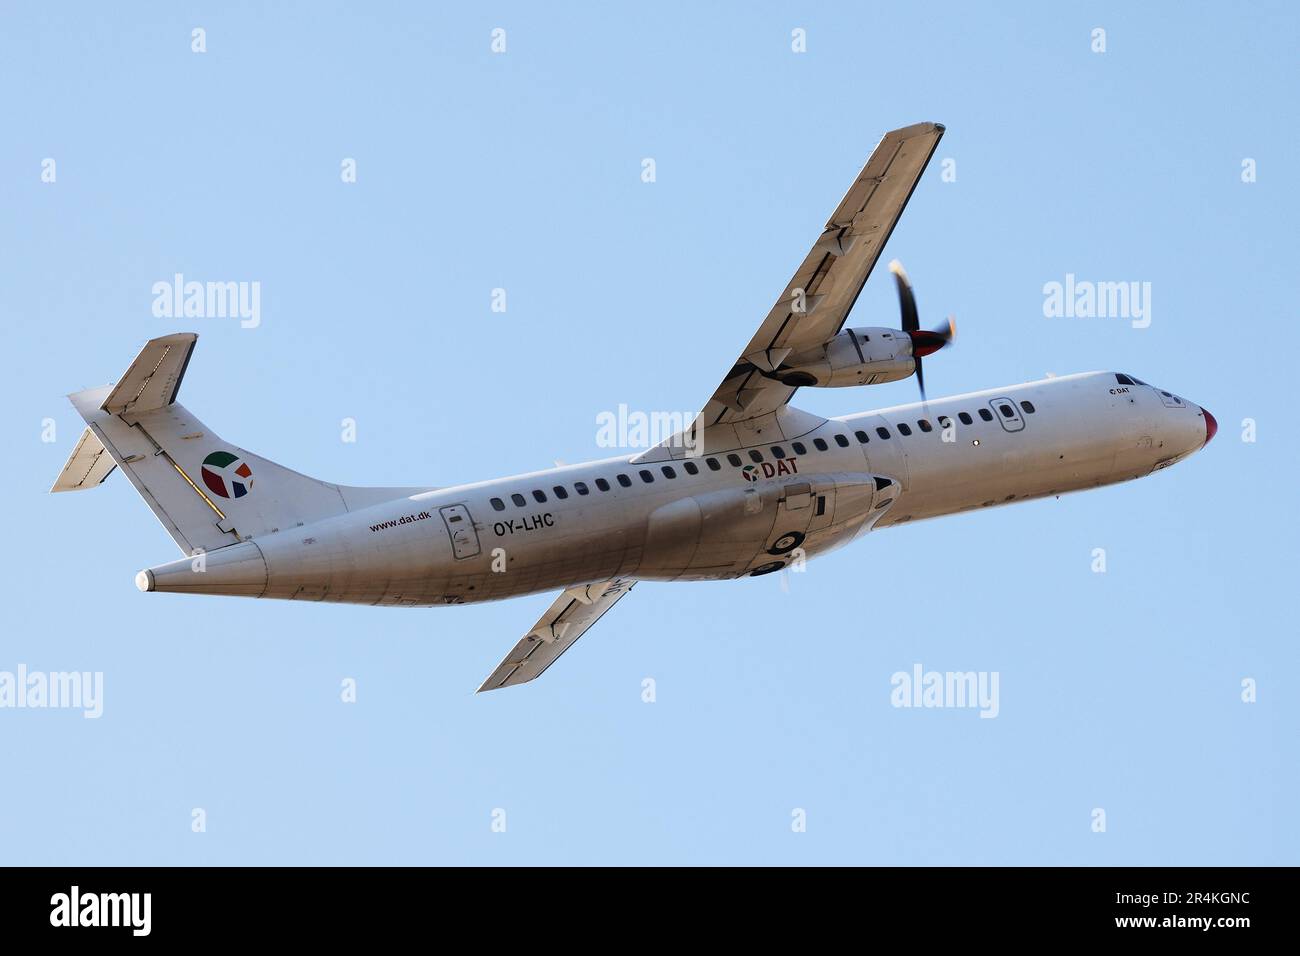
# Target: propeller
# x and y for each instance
(924, 342)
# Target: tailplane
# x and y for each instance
(207, 492)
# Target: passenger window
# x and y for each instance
(944, 421)
(561, 492)
(883, 433)
(799, 447)
(1006, 411)
(691, 468)
(778, 452)
(713, 463)
(986, 415)
(755, 455)
(1028, 407)
(625, 481)
(646, 476)
(965, 419)
(668, 472)
(861, 436)
(498, 504)
(924, 425)
(539, 496)
(735, 460)
(518, 499)
(819, 444)
(602, 484)
(581, 488)
(904, 429)
(842, 441)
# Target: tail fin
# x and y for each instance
(206, 492)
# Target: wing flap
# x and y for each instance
(566, 620)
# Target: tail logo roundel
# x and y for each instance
(227, 475)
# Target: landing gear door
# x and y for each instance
(823, 505)
(796, 496)
(794, 509)
(460, 528)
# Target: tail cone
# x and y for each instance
(238, 569)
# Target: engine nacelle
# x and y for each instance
(854, 357)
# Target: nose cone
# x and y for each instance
(926, 343)
(1211, 426)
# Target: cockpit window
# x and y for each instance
(1123, 379)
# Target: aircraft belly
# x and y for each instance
(762, 526)
(708, 536)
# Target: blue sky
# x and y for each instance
(521, 171)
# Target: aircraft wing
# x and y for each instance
(815, 303)
(564, 622)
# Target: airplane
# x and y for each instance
(753, 486)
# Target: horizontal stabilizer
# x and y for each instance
(88, 465)
(208, 493)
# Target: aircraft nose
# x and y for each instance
(1211, 425)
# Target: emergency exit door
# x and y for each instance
(1008, 414)
(460, 528)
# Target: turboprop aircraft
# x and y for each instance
(752, 486)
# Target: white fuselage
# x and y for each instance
(703, 515)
